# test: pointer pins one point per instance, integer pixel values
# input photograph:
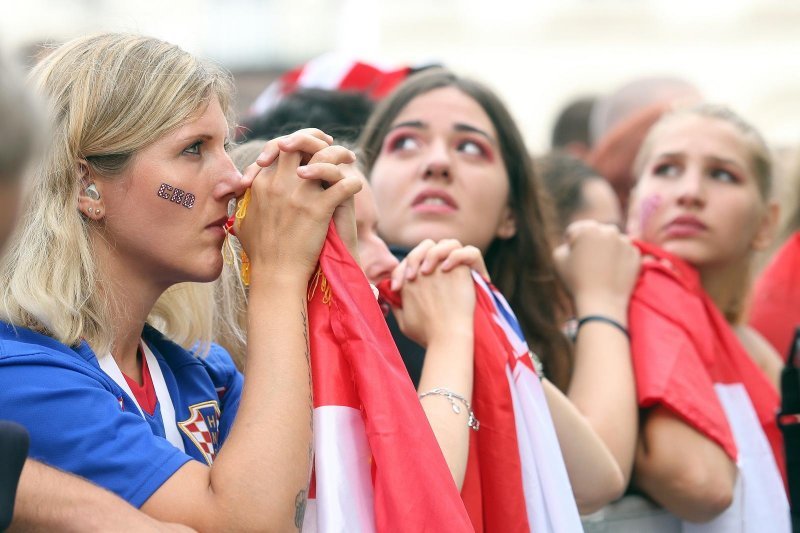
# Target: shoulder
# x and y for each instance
(219, 364)
(760, 351)
(20, 347)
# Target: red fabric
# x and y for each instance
(681, 345)
(145, 394)
(290, 80)
(775, 309)
(492, 491)
(372, 81)
(355, 363)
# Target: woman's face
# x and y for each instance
(698, 197)
(600, 203)
(165, 213)
(374, 256)
(440, 174)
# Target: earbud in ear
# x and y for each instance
(92, 192)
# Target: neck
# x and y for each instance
(132, 294)
(727, 286)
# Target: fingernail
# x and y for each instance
(446, 264)
(395, 284)
(304, 171)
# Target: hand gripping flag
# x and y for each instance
(687, 358)
(377, 464)
(515, 479)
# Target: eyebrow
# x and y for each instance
(714, 159)
(724, 161)
(204, 137)
(458, 126)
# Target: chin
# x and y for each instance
(435, 232)
(207, 271)
(692, 253)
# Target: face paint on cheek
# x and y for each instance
(175, 195)
(647, 209)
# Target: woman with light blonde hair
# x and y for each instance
(128, 202)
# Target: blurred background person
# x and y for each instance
(577, 191)
(571, 129)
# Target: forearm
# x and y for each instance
(449, 365)
(264, 466)
(51, 500)
(594, 474)
(682, 470)
(603, 385)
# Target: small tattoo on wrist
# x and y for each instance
(300, 509)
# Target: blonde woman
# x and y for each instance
(129, 200)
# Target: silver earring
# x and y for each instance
(91, 210)
(92, 192)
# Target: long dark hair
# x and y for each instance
(521, 267)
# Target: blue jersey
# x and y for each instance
(81, 421)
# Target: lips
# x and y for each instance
(685, 226)
(434, 201)
(220, 222)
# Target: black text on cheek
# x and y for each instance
(175, 195)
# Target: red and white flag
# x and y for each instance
(334, 71)
(377, 464)
(516, 479)
(687, 358)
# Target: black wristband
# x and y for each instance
(607, 320)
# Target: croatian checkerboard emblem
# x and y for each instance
(202, 428)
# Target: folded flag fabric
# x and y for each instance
(516, 479)
(377, 464)
(687, 358)
(335, 71)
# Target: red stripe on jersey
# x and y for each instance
(145, 394)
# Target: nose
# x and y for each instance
(378, 261)
(437, 164)
(229, 183)
(692, 191)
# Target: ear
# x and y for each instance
(767, 226)
(90, 207)
(508, 224)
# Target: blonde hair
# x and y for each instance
(228, 291)
(109, 96)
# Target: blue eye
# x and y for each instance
(194, 149)
(724, 176)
